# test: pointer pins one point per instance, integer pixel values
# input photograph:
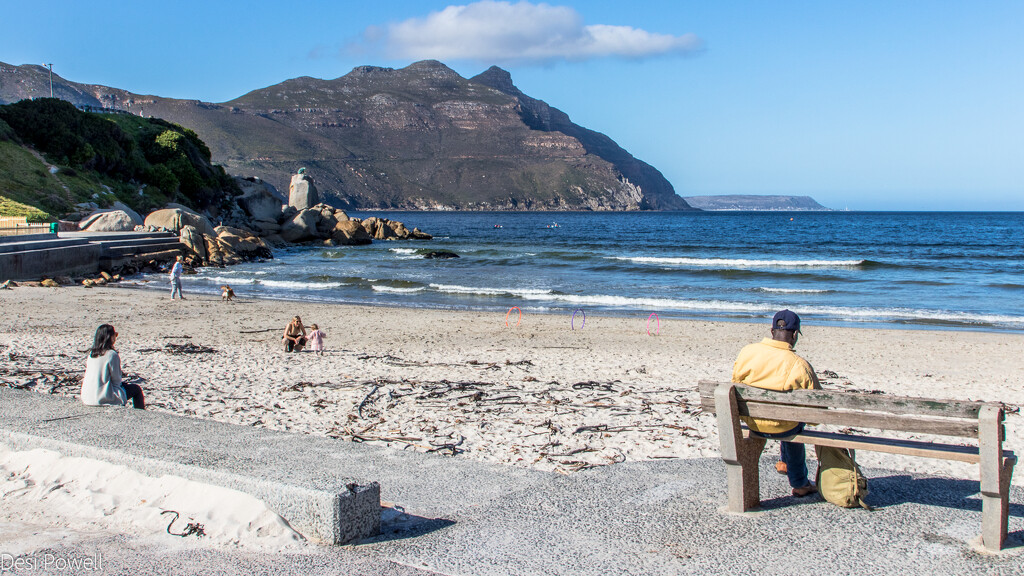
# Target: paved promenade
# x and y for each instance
(470, 518)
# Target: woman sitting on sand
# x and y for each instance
(294, 336)
(101, 385)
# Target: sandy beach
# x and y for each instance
(539, 395)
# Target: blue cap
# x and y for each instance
(786, 320)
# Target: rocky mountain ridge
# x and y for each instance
(419, 137)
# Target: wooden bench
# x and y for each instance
(979, 421)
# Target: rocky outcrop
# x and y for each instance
(259, 200)
(173, 219)
(108, 221)
(302, 193)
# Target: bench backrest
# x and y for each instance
(859, 409)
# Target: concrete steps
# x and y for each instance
(69, 253)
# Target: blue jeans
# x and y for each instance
(175, 287)
(793, 454)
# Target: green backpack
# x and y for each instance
(840, 480)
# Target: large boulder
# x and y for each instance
(136, 218)
(174, 219)
(301, 227)
(302, 193)
(108, 221)
(350, 233)
(192, 238)
(379, 228)
(259, 199)
(242, 243)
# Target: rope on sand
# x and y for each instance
(510, 312)
(657, 324)
(573, 322)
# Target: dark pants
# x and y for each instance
(134, 393)
(793, 454)
(290, 345)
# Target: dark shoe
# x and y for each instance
(805, 491)
(780, 467)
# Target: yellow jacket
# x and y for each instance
(772, 365)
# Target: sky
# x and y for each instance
(868, 105)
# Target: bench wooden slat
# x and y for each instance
(851, 401)
(890, 445)
(904, 423)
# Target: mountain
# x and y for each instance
(419, 137)
(755, 202)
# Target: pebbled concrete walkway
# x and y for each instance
(467, 517)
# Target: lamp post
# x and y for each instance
(50, 66)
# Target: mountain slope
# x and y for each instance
(420, 137)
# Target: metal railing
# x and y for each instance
(10, 226)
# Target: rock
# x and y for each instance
(266, 227)
(63, 280)
(106, 276)
(48, 283)
(7, 285)
(135, 216)
(192, 238)
(174, 219)
(417, 235)
(242, 243)
(108, 221)
(100, 281)
(350, 233)
(88, 283)
(302, 227)
(302, 193)
(440, 254)
(259, 199)
(340, 215)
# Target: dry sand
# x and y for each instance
(539, 394)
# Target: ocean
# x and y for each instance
(935, 270)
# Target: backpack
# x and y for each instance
(840, 480)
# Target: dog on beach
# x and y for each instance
(226, 293)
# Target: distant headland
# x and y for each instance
(755, 202)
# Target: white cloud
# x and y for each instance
(493, 31)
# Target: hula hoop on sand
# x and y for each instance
(573, 322)
(510, 312)
(657, 324)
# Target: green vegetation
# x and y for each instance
(101, 158)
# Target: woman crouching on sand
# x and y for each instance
(101, 385)
(294, 336)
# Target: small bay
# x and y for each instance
(897, 269)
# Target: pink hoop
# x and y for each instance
(657, 324)
(510, 312)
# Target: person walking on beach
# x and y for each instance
(294, 335)
(176, 272)
(101, 385)
(316, 339)
(772, 364)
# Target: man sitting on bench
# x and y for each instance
(772, 364)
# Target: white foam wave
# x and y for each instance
(456, 289)
(793, 290)
(738, 262)
(396, 290)
(295, 285)
(403, 250)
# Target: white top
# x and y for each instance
(101, 385)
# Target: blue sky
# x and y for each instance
(869, 105)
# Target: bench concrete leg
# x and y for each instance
(995, 478)
(995, 510)
(741, 455)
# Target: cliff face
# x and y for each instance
(420, 137)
